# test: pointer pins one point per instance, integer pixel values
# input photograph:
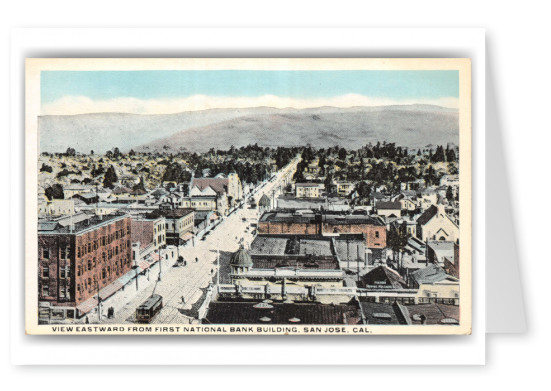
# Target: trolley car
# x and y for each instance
(149, 308)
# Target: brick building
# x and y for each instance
(319, 224)
(77, 261)
(150, 232)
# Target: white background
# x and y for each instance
(517, 46)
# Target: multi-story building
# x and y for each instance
(327, 224)
(308, 190)
(150, 232)
(77, 261)
(179, 224)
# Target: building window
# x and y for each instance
(62, 253)
(45, 290)
(376, 234)
(46, 271)
(103, 274)
(46, 253)
(89, 264)
(63, 293)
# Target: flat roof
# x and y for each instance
(244, 312)
(95, 221)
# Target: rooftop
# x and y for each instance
(431, 274)
(310, 218)
(388, 205)
(93, 222)
(244, 312)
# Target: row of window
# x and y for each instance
(160, 239)
(63, 253)
(64, 272)
(91, 283)
(91, 263)
(103, 241)
(64, 292)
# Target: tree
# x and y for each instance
(439, 155)
(70, 152)
(450, 155)
(328, 182)
(449, 193)
(452, 169)
(364, 190)
(342, 154)
(397, 239)
(110, 178)
(45, 168)
(54, 192)
(430, 176)
(140, 185)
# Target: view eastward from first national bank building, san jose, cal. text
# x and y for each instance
(248, 196)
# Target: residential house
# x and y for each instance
(344, 188)
(388, 208)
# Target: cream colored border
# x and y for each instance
(32, 109)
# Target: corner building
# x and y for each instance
(77, 261)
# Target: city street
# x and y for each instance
(190, 282)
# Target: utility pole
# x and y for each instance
(348, 253)
(218, 263)
(358, 259)
(160, 263)
(99, 303)
(137, 275)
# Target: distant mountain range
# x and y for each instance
(412, 126)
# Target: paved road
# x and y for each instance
(191, 281)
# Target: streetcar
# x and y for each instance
(149, 308)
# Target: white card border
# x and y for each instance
(251, 350)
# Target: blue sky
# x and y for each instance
(162, 92)
(297, 84)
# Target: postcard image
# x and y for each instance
(248, 196)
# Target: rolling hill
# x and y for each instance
(412, 126)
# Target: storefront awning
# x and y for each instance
(143, 265)
(127, 277)
(187, 236)
(87, 306)
(110, 289)
(155, 257)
